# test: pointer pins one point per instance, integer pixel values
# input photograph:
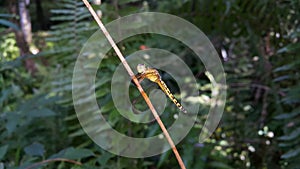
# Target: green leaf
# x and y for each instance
(107, 107)
(12, 120)
(63, 11)
(293, 95)
(35, 149)
(78, 153)
(3, 151)
(164, 157)
(281, 78)
(291, 153)
(294, 134)
(42, 112)
(102, 81)
(103, 159)
(102, 92)
(74, 154)
(289, 48)
(287, 67)
(77, 133)
(9, 24)
(188, 157)
(288, 115)
(4, 15)
(5, 94)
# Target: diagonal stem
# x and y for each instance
(35, 165)
(130, 72)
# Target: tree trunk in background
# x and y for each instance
(20, 37)
(25, 20)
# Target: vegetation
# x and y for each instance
(258, 42)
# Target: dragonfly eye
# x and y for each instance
(141, 68)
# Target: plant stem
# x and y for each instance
(130, 72)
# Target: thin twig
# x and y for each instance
(130, 72)
(53, 160)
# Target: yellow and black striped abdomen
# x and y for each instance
(166, 90)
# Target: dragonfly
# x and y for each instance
(153, 75)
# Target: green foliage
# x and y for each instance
(8, 48)
(5, 22)
(287, 77)
(258, 42)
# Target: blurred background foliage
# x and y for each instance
(258, 43)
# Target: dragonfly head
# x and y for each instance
(141, 68)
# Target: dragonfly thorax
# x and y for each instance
(141, 68)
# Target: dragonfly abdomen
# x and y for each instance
(166, 90)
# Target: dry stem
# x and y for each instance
(52, 160)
